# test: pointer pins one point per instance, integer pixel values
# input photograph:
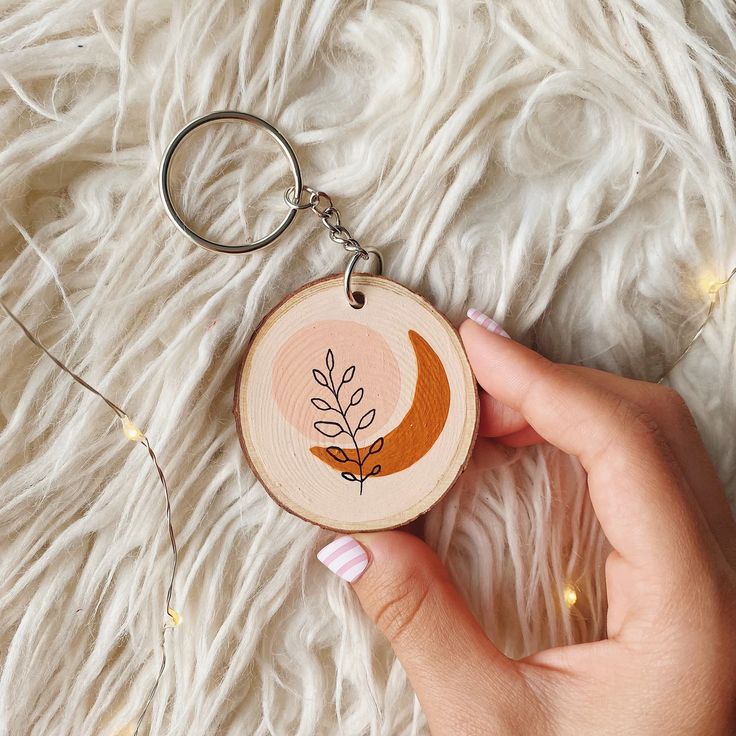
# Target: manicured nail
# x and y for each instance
(345, 557)
(485, 321)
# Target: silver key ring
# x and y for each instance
(319, 202)
(355, 298)
(164, 175)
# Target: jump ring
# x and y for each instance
(356, 299)
(294, 203)
(171, 210)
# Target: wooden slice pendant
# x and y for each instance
(356, 419)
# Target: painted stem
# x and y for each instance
(350, 433)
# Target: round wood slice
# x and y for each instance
(356, 419)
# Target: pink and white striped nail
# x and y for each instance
(485, 321)
(345, 557)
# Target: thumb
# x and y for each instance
(405, 589)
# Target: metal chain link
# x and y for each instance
(328, 215)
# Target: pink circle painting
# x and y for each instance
(352, 344)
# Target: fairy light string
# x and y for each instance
(713, 290)
(134, 434)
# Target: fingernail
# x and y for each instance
(485, 321)
(345, 557)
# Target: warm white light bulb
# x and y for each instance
(130, 431)
(713, 291)
(710, 285)
(570, 596)
(175, 616)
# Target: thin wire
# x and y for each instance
(714, 292)
(138, 436)
(61, 365)
(169, 610)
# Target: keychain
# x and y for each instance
(355, 404)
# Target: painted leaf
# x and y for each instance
(376, 447)
(328, 429)
(344, 425)
(338, 454)
(367, 419)
(319, 377)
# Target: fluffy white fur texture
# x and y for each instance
(565, 166)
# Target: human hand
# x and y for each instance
(668, 666)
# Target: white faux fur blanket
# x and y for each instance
(567, 167)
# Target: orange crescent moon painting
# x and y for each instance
(356, 419)
(413, 437)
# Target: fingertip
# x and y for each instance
(387, 546)
(471, 331)
(485, 350)
(345, 557)
(466, 330)
(480, 343)
(487, 323)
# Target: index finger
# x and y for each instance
(637, 490)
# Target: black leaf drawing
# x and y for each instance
(367, 419)
(348, 375)
(338, 454)
(376, 447)
(333, 429)
(329, 429)
(319, 377)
